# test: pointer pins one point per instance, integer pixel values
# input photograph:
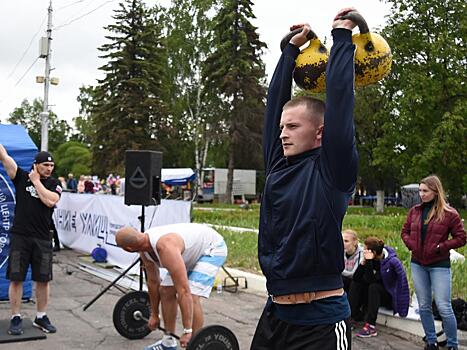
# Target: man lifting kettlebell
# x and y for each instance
(311, 169)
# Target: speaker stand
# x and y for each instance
(141, 270)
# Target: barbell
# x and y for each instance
(130, 318)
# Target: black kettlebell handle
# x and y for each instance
(285, 40)
(358, 19)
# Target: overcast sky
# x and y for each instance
(78, 32)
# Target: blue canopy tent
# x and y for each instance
(178, 182)
(20, 147)
(177, 176)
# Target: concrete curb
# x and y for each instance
(256, 283)
(233, 228)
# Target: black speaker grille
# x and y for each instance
(143, 177)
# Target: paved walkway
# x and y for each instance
(72, 288)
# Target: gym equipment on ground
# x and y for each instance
(131, 314)
(123, 315)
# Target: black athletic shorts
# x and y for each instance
(26, 251)
(275, 334)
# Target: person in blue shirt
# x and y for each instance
(71, 183)
(311, 169)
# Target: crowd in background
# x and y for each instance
(374, 276)
(93, 184)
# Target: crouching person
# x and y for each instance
(380, 280)
(192, 255)
(353, 255)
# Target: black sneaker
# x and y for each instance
(431, 347)
(16, 326)
(44, 324)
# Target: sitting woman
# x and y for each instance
(353, 254)
(379, 280)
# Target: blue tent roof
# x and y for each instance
(18, 144)
(177, 176)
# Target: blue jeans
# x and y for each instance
(437, 280)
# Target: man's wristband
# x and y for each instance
(187, 330)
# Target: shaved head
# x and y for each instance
(129, 239)
(314, 107)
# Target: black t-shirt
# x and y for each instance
(32, 216)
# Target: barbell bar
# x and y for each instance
(131, 314)
(138, 315)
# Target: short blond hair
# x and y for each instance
(314, 106)
(352, 233)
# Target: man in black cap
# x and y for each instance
(30, 240)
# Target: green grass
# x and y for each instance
(364, 220)
(243, 250)
(239, 217)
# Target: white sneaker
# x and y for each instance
(159, 346)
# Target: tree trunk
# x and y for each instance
(200, 154)
(229, 188)
(380, 201)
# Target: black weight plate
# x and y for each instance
(213, 337)
(123, 318)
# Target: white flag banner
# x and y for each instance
(85, 220)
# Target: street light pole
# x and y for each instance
(45, 107)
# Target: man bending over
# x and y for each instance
(192, 255)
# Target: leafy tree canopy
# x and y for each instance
(28, 115)
(72, 157)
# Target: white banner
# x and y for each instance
(85, 220)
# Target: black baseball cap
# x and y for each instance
(43, 157)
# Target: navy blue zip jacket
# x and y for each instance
(305, 197)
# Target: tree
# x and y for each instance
(439, 156)
(129, 109)
(83, 123)
(72, 157)
(426, 90)
(28, 116)
(195, 108)
(235, 72)
(376, 169)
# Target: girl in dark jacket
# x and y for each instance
(380, 280)
(426, 234)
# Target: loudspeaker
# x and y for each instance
(143, 177)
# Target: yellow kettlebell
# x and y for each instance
(310, 65)
(373, 58)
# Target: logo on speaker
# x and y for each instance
(138, 180)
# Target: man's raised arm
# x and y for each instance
(8, 163)
(338, 147)
(279, 94)
(48, 197)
